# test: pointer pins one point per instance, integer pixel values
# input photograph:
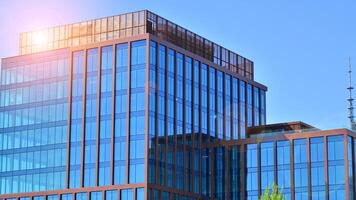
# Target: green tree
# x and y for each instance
(273, 194)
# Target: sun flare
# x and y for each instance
(40, 39)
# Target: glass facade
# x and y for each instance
(267, 164)
(33, 123)
(251, 172)
(300, 169)
(120, 121)
(105, 124)
(100, 83)
(76, 119)
(90, 116)
(129, 25)
(137, 111)
(284, 167)
(336, 169)
(180, 87)
(147, 117)
(317, 167)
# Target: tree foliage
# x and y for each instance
(273, 194)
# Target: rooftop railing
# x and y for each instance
(131, 24)
(276, 133)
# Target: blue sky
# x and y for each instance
(300, 48)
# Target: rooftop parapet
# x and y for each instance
(132, 24)
(280, 128)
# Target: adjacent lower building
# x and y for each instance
(134, 106)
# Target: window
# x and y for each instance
(105, 116)
(242, 109)
(137, 112)
(219, 173)
(267, 165)
(317, 168)
(227, 107)
(127, 194)
(95, 195)
(111, 195)
(251, 170)
(300, 169)
(152, 114)
(140, 194)
(204, 99)
(76, 122)
(256, 106)
(283, 167)
(188, 97)
(336, 169)
(235, 108)
(179, 93)
(90, 117)
(249, 105)
(121, 82)
(212, 101)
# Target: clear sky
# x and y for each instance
(300, 48)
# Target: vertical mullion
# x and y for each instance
(208, 128)
(192, 146)
(212, 164)
(346, 167)
(259, 168)
(292, 170)
(128, 110)
(113, 93)
(246, 108)
(156, 115)
(275, 162)
(226, 168)
(238, 110)
(253, 105)
(309, 169)
(224, 105)
(232, 107)
(70, 80)
(184, 119)
(134, 193)
(216, 114)
(83, 117)
(200, 127)
(98, 118)
(259, 106)
(147, 113)
(326, 164)
(243, 171)
(174, 153)
(208, 101)
(166, 113)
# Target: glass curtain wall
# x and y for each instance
(251, 171)
(283, 167)
(90, 135)
(336, 169)
(300, 169)
(267, 165)
(137, 111)
(317, 167)
(105, 116)
(76, 119)
(121, 89)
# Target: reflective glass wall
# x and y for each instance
(190, 105)
(108, 135)
(311, 167)
(34, 122)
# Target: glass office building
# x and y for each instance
(134, 106)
